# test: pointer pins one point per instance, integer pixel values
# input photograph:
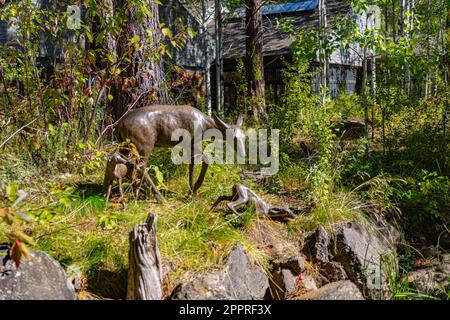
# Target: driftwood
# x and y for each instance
(243, 195)
(144, 271)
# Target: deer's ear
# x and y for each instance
(240, 120)
(220, 122)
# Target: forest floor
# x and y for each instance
(89, 237)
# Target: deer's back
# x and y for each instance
(153, 125)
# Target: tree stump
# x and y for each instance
(144, 271)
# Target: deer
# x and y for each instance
(152, 126)
(118, 168)
(241, 195)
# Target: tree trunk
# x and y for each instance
(219, 54)
(144, 270)
(206, 60)
(323, 26)
(254, 58)
(364, 97)
(142, 71)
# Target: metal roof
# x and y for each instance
(297, 6)
(281, 8)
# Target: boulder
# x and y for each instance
(341, 290)
(240, 279)
(433, 280)
(360, 253)
(366, 257)
(38, 278)
(317, 247)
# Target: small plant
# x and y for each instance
(13, 224)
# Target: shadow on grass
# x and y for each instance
(108, 284)
(89, 189)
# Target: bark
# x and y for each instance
(142, 76)
(206, 58)
(219, 56)
(144, 271)
(364, 97)
(323, 25)
(254, 58)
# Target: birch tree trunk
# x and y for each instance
(219, 56)
(364, 97)
(254, 58)
(144, 271)
(323, 26)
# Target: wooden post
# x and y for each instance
(144, 270)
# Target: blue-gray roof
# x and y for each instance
(280, 8)
(297, 6)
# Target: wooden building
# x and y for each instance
(344, 64)
(303, 14)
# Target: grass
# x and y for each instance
(75, 225)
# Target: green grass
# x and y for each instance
(75, 225)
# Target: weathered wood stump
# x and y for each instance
(144, 271)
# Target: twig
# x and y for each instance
(11, 136)
(129, 109)
(62, 229)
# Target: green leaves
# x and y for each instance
(159, 176)
(166, 32)
(11, 191)
(106, 220)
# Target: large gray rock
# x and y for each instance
(317, 247)
(361, 253)
(341, 290)
(39, 278)
(366, 256)
(239, 279)
(434, 281)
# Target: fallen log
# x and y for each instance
(144, 271)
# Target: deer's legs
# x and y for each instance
(220, 199)
(195, 186)
(191, 176)
(120, 190)
(201, 177)
(242, 200)
(142, 170)
(108, 192)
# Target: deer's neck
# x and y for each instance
(211, 124)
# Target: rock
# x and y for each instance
(317, 248)
(241, 279)
(355, 252)
(331, 272)
(341, 290)
(365, 256)
(432, 280)
(39, 278)
(285, 272)
(307, 281)
(316, 245)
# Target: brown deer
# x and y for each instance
(118, 168)
(152, 126)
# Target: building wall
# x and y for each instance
(191, 57)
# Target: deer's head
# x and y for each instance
(237, 131)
